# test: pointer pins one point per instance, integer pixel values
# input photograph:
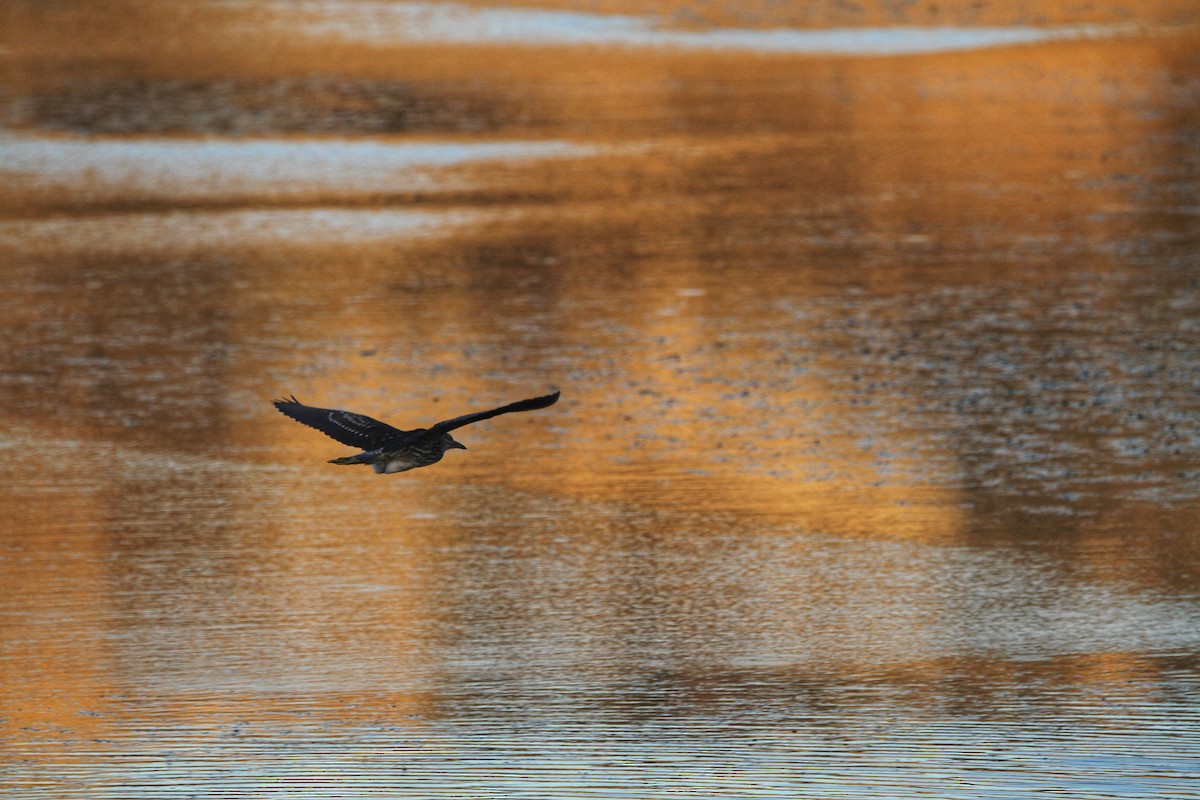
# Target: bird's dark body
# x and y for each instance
(389, 449)
(400, 458)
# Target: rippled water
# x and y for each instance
(876, 469)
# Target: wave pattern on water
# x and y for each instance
(874, 472)
(700, 760)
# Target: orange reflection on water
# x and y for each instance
(877, 412)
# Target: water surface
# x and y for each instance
(875, 472)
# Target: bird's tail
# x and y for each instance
(346, 460)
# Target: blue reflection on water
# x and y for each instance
(452, 22)
(178, 164)
(703, 760)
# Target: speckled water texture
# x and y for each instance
(876, 471)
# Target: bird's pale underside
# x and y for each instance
(389, 449)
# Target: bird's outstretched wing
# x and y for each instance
(521, 405)
(346, 427)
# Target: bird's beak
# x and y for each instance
(460, 445)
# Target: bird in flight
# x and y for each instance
(389, 449)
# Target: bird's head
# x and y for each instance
(449, 443)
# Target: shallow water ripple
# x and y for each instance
(875, 469)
